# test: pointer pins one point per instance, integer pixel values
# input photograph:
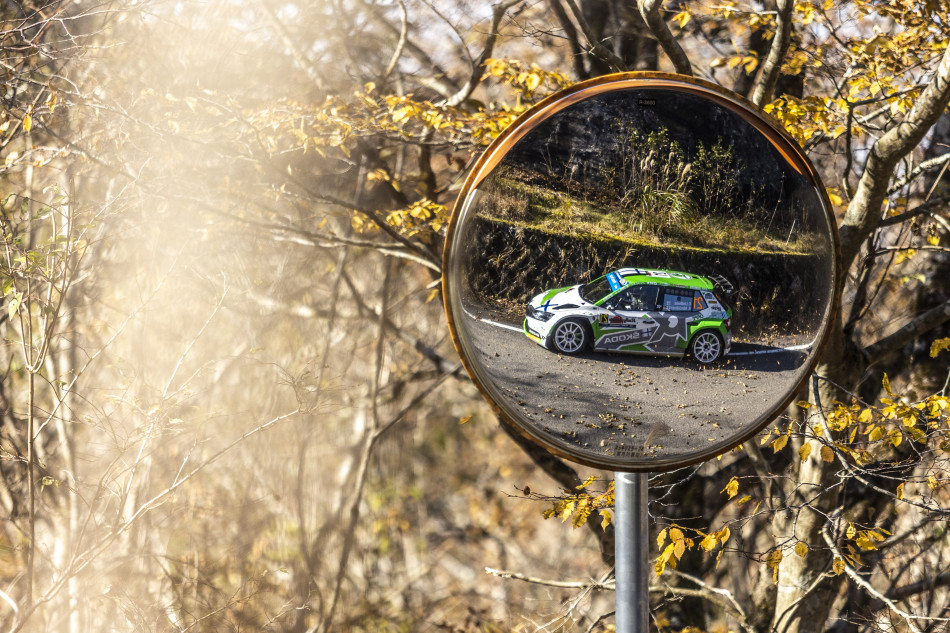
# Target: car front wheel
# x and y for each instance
(569, 337)
(706, 347)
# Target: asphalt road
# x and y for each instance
(623, 408)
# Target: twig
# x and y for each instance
(864, 584)
(401, 44)
(563, 584)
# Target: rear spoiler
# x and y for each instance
(721, 283)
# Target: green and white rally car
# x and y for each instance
(637, 311)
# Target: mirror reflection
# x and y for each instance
(639, 277)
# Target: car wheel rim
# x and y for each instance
(569, 337)
(706, 348)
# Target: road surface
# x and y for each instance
(617, 408)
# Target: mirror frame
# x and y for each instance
(543, 110)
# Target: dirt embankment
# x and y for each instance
(777, 294)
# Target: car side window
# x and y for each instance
(699, 303)
(635, 299)
(679, 300)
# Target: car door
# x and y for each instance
(675, 310)
(628, 322)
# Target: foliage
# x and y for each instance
(227, 397)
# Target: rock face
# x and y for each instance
(579, 144)
(776, 294)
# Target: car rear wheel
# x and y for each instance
(569, 337)
(706, 347)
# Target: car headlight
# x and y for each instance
(538, 315)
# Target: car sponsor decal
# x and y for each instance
(662, 274)
(616, 340)
(671, 327)
(615, 320)
(616, 281)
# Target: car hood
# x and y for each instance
(559, 298)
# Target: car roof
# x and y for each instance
(666, 277)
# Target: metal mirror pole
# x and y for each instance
(631, 550)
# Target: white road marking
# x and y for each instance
(776, 350)
(490, 322)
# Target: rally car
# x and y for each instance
(636, 310)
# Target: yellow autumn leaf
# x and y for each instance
(660, 538)
(801, 549)
(772, 561)
(401, 114)
(940, 345)
(732, 488)
(904, 255)
(682, 18)
(803, 404)
(876, 434)
(804, 451)
(932, 482)
(838, 566)
(865, 542)
(779, 443)
(709, 543)
(665, 558)
(465, 419)
(27, 123)
(900, 491)
(723, 535)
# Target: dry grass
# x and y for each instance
(532, 205)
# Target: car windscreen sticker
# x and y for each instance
(673, 303)
(616, 281)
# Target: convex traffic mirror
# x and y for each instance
(639, 273)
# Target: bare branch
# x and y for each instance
(417, 344)
(921, 209)
(401, 44)
(915, 328)
(577, 53)
(719, 597)
(475, 78)
(936, 161)
(564, 584)
(922, 586)
(650, 10)
(597, 48)
(436, 79)
(864, 212)
(909, 618)
(772, 67)
(300, 58)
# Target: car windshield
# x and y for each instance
(595, 290)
